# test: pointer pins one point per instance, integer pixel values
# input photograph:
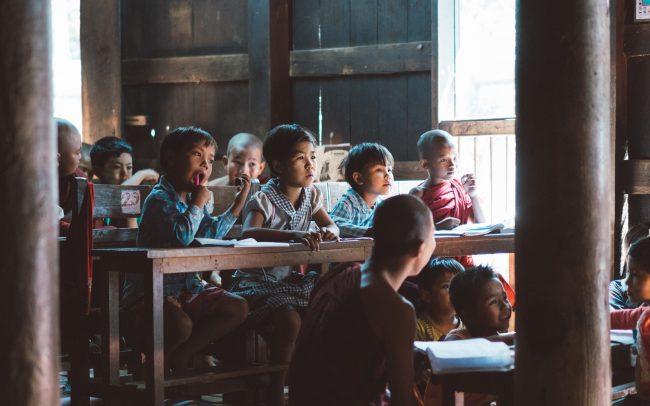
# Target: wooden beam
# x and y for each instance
(637, 176)
(564, 185)
(101, 83)
(637, 39)
(409, 170)
(269, 86)
(503, 126)
(186, 69)
(362, 60)
(30, 263)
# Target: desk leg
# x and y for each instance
(111, 331)
(154, 369)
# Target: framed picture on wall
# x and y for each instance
(642, 11)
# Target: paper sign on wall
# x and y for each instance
(642, 10)
(130, 201)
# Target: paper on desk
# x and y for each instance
(248, 242)
(472, 355)
(622, 336)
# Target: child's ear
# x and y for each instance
(424, 164)
(224, 159)
(262, 166)
(357, 177)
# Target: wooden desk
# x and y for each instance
(153, 263)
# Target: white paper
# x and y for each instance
(476, 354)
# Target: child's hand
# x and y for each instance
(200, 196)
(243, 183)
(215, 278)
(469, 184)
(328, 235)
(312, 239)
(448, 223)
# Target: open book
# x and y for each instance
(470, 229)
(476, 354)
(248, 242)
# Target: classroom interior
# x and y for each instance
(545, 102)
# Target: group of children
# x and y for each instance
(350, 321)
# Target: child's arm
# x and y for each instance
(240, 197)
(328, 229)
(141, 176)
(625, 319)
(253, 229)
(469, 183)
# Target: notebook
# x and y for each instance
(248, 242)
(470, 229)
(472, 355)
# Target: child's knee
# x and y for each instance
(236, 307)
(178, 325)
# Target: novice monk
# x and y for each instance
(357, 335)
(243, 157)
(369, 172)
(69, 155)
(638, 282)
(436, 314)
(618, 292)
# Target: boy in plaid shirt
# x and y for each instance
(369, 171)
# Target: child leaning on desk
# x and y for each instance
(638, 282)
(282, 211)
(176, 211)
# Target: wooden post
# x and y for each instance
(101, 68)
(269, 86)
(29, 268)
(564, 186)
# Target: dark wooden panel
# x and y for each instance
(336, 111)
(362, 60)
(364, 107)
(392, 20)
(479, 127)
(392, 115)
(637, 39)
(638, 106)
(638, 209)
(637, 176)
(419, 20)
(188, 69)
(305, 16)
(334, 23)
(100, 70)
(305, 103)
(363, 22)
(409, 170)
(219, 27)
(418, 118)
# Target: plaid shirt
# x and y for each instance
(352, 215)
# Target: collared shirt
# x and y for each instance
(167, 222)
(352, 215)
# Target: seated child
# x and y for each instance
(369, 172)
(452, 201)
(244, 156)
(482, 305)
(618, 296)
(68, 157)
(435, 314)
(282, 211)
(175, 212)
(357, 334)
(638, 282)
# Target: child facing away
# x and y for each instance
(357, 334)
(618, 294)
(638, 283)
(68, 157)
(369, 172)
(282, 211)
(243, 157)
(174, 214)
(482, 305)
(452, 201)
(436, 315)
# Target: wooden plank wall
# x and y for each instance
(393, 109)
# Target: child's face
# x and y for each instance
(116, 169)
(638, 281)
(300, 168)
(70, 155)
(376, 179)
(437, 297)
(197, 160)
(441, 161)
(493, 310)
(243, 161)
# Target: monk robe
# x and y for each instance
(338, 359)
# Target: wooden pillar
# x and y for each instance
(29, 338)
(564, 186)
(269, 86)
(101, 68)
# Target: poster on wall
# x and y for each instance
(642, 11)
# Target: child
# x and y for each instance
(112, 160)
(482, 305)
(174, 213)
(68, 155)
(282, 211)
(358, 332)
(369, 172)
(452, 201)
(618, 296)
(244, 156)
(638, 282)
(436, 314)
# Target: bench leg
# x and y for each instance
(154, 369)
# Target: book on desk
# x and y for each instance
(471, 229)
(472, 355)
(247, 242)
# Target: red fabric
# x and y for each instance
(80, 241)
(510, 292)
(448, 199)
(639, 319)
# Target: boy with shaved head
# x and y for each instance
(69, 155)
(243, 157)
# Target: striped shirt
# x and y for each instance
(352, 215)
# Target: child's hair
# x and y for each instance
(367, 153)
(399, 226)
(437, 267)
(466, 287)
(640, 251)
(179, 141)
(281, 140)
(243, 141)
(428, 139)
(108, 147)
(635, 233)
